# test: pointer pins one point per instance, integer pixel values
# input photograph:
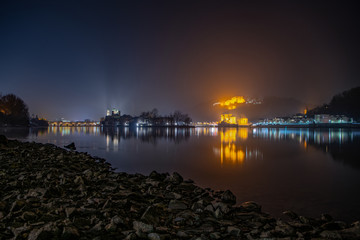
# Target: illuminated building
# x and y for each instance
(304, 120)
(115, 112)
(326, 118)
(233, 102)
(243, 121)
(230, 119)
(108, 112)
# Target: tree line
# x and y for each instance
(13, 111)
(175, 117)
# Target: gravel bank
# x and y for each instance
(47, 192)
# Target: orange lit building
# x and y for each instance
(243, 121)
(230, 119)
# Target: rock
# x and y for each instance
(284, 229)
(70, 233)
(207, 227)
(198, 206)
(266, 235)
(156, 176)
(69, 211)
(117, 220)
(151, 215)
(3, 205)
(351, 233)
(19, 230)
(179, 221)
(78, 180)
(111, 227)
(218, 213)
(330, 235)
(251, 206)
(142, 227)
(34, 234)
(228, 197)
(71, 146)
(304, 220)
(209, 208)
(49, 230)
(131, 236)
(223, 207)
(17, 205)
(27, 216)
(182, 234)
(177, 205)
(333, 225)
(215, 235)
(153, 236)
(174, 178)
(234, 231)
(97, 227)
(173, 195)
(88, 173)
(291, 215)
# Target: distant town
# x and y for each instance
(114, 118)
(342, 111)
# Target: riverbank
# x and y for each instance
(48, 192)
(312, 126)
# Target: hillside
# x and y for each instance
(346, 103)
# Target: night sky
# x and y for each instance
(74, 59)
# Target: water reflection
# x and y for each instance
(341, 144)
(15, 132)
(316, 136)
(234, 147)
(149, 135)
(206, 131)
(64, 131)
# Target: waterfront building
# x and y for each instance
(227, 118)
(243, 121)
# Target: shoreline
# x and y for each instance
(49, 192)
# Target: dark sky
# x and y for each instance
(74, 59)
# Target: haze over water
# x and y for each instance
(309, 171)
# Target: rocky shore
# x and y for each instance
(51, 193)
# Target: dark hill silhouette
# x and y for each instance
(346, 103)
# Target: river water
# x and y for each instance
(309, 171)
